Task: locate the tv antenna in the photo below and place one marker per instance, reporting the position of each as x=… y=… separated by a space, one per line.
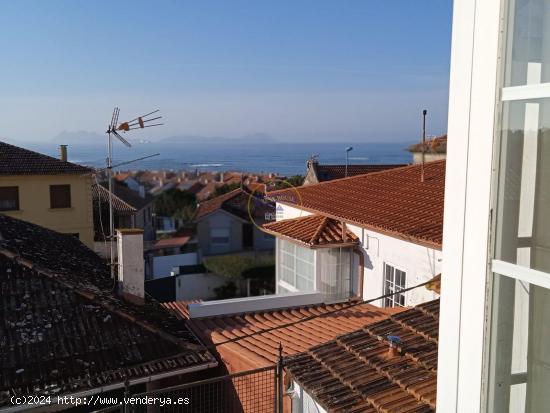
x=113 y=129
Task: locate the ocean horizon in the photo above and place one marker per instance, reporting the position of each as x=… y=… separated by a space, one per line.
x=255 y=157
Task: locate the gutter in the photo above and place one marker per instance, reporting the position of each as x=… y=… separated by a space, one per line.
x=108 y=388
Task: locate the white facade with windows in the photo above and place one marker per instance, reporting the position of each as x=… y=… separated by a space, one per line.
x=338 y=270
x=494 y=342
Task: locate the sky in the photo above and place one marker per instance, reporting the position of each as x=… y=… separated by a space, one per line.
x=302 y=70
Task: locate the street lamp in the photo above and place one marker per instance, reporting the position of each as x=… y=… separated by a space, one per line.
x=348 y=150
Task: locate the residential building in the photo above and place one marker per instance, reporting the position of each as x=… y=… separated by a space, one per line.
x=230 y=224
x=433 y=149
x=363 y=236
x=131 y=209
x=317 y=173
x=46 y=191
x=64 y=331
x=495 y=297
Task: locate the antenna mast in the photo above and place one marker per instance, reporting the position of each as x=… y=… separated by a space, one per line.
x=112 y=130
x=424 y=113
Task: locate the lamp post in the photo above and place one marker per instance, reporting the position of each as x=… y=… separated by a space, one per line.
x=348 y=150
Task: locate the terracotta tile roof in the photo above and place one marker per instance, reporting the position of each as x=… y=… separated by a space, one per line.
x=101 y=194
x=180 y=308
x=262 y=349
x=356 y=372
x=62 y=329
x=172 y=242
x=19 y=161
x=393 y=202
x=312 y=230
x=236 y=202
x=331 y=172
x=435 y=145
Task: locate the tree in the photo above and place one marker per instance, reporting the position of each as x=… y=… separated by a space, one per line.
x=174 y=202
x=291 y=182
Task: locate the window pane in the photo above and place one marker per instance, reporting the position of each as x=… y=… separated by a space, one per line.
x=523 y=221
x=528 y=44
x=60 y=196
x=9 y=198
x=519 y=367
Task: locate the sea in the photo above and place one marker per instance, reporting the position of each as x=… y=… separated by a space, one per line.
x=255 y=157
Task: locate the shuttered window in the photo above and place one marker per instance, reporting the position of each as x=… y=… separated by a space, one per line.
x=9 y=198
x=60 y=196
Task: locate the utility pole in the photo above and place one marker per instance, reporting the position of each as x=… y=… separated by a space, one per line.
x=424 y=113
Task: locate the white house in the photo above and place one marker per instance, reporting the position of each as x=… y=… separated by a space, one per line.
x=365 y=236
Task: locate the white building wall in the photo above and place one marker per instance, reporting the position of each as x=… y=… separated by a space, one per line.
x=302 y=402
x=420 y=263
x=162 y=266
x=197 y=286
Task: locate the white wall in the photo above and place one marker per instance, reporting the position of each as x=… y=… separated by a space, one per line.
x=197 y=286
x=162 y=266
x=420 y=263
x=302 y=402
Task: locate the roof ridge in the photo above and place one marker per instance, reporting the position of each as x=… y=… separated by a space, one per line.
x=319 y=230
x=102 y=188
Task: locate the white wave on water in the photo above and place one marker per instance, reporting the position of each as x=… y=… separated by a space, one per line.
x=207 y=165
x=359 y=158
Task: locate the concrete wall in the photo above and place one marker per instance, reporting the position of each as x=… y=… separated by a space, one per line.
x=34 y=204
x=302 y=402
x=162 y=266
x=263 y=241
x=420 y=263
x=197 y=286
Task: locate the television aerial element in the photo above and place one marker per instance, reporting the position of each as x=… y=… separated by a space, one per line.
x=113 y=129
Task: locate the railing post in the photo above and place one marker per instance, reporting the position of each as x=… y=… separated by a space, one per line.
x=279 y=380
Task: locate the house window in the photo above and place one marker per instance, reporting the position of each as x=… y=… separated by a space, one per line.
x=335 y=273
x=518 y=365
x=394 y=282
x=9 y=198
x=219 y=236
x=60 y=196
x=296 y=265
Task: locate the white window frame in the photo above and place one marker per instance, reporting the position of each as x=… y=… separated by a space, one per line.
x=474 y=111
x=391 y=301
x=467 y=216
x=279 y=264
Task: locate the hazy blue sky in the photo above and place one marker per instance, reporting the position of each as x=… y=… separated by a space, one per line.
x=310 y=70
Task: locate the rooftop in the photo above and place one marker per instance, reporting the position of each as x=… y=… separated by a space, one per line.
x=63 y=330
x=238 y=202
x=101 y=194
x=172 y=242
x=19 y=161
x=434 y=145
x=262 y=349
x=313 y=231
x=356 y=373
x=393 y=202
x=331 y=172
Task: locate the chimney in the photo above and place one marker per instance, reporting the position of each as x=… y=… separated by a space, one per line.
x=221 y=177
x=63 y=152
x=142 y=191
x=131 y=267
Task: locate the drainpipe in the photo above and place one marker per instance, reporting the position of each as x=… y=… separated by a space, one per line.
x=361 y=274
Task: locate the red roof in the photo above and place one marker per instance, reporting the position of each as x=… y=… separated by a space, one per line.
x=357 y=372
x=331 y=172
x=262 y=349
x=312 y=230
x=434 y=145
x=215 y=204
x=394 y=202
x=172 y=242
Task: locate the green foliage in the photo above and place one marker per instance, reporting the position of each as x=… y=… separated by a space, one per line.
x=174 y=202
x=224 y=189
x=238 y=266
x=290 y=182
x=228 y=290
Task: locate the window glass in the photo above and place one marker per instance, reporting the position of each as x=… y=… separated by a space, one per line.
x=523 y=219
x=395 y=281
x=219 y=235
x=528 y=43
x=9 y=198
x=60 y=196
x=296 y=265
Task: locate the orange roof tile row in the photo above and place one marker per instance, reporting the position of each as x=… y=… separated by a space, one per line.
x=312 y=230
x=172 y=242
x=357 y=372
x=394 y=202
x=262 y=348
